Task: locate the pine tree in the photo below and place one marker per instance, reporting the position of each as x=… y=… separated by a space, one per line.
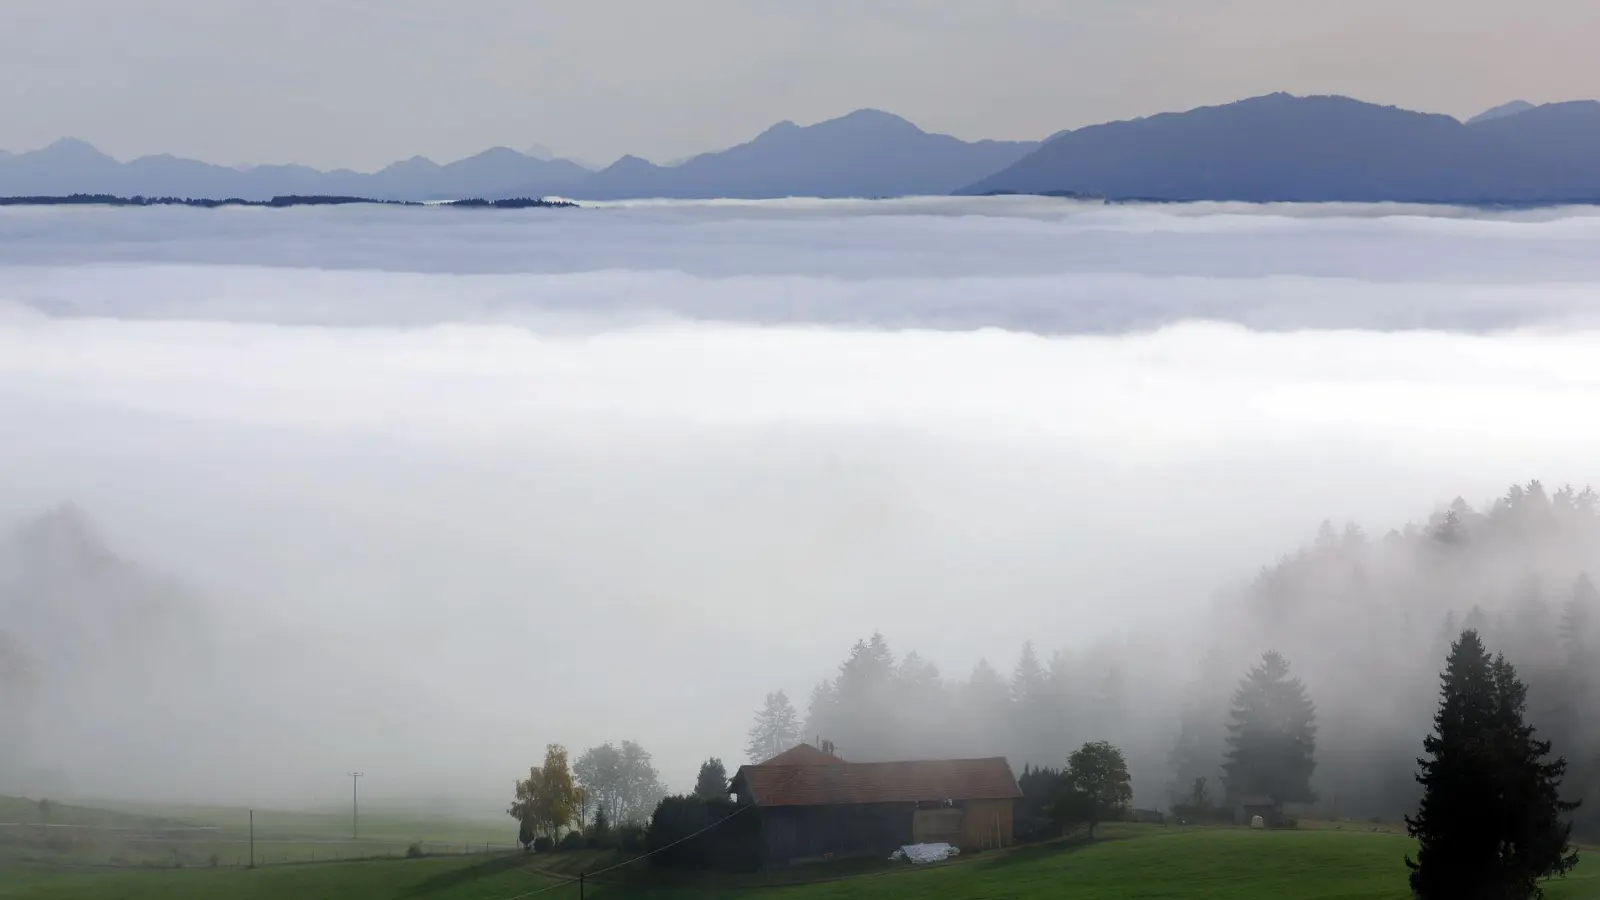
x=776 y=729
x=1489 y=824
x=1574 y=727
x=1033 y=719
x=1272 y=738
x=921 y=714
x=864 y=700
x=600 y=829
x=712 y=783
x=822 y=712
x=985 y=704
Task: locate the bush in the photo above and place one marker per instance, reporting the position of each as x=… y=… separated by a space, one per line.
x=682 y=835
x=630 y=838
x=572 y=841
x=1041 y=791
x=414 y=852
x=543 y=845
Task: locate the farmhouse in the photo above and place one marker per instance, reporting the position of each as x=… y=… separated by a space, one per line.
x=811 y=804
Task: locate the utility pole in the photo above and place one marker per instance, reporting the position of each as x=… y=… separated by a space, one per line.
x=355 y=809
x=252 y=839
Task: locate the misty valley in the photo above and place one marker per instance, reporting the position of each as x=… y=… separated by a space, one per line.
x=731 y=547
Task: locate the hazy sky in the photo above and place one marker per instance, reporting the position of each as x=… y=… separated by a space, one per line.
x=414 y=499
x=360 y=83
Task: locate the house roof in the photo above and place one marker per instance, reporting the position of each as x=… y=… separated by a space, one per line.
x=885 y=782
x=803 y=755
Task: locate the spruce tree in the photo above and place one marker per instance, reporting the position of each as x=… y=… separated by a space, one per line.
x=1490 y=822
x=712 y=783
x=776 y=729
x=1032 y=708
x=1272 y=738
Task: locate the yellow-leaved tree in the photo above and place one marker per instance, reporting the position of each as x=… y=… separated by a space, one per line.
x=555 y=797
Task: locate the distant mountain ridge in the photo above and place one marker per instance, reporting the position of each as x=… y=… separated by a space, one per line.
x=1501 y=111
x=1281 y=147
x=867 y=153
x=1276 y=147
x=72 y=166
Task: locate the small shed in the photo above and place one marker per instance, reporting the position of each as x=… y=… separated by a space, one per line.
x=859 y=809
x=1248 y=806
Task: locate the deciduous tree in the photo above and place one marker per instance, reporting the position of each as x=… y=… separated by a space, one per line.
x=1096 y=786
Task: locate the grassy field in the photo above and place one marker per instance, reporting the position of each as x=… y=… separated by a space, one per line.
x=1132 y=864
x=190 y=837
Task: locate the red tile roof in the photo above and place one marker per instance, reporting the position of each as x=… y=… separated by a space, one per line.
x=803 y=755
x=886 y=782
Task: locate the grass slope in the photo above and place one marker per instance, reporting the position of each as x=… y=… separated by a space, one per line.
x=1142 y=864
x=192 y=835
x=21 y=810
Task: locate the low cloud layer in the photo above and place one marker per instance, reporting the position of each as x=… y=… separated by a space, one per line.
x=453 y=490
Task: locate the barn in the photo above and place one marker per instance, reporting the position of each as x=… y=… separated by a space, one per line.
x=812 y=805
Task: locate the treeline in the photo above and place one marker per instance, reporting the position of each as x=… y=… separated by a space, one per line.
x=1364 y=620
x=612 y=798
x=276 y=202
x=602 y=800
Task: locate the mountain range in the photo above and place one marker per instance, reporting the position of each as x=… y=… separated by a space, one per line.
x=1277 y=147
x=866 y=153
x=1285 y=148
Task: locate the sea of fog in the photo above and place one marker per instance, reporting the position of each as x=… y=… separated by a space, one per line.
x=455 y=484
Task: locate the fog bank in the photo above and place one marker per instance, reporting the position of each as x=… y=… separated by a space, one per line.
x=446 y=491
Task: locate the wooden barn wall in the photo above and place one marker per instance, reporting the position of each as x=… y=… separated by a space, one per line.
x=805 y=832
x=987 y=825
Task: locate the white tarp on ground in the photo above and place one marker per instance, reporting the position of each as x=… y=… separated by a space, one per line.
x=925 y=853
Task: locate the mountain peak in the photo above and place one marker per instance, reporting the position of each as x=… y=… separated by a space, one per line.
x=416 y=165
x=631 y=163
x=787 y=126
x=874 y=119
x=499 y=153
x=1502 y=111
x=70 y=148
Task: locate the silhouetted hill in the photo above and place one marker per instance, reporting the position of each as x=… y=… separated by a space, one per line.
x=867 y=153
x=864 y=154
x=1273 y=148
x=73 y=167
x=285 y=202
x=1285 y=148
x=1501 y=111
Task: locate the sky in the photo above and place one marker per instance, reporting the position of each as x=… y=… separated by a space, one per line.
x=450 y=488
x=361 y=83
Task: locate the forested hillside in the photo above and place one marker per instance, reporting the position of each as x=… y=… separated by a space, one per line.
x=1365 y=622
